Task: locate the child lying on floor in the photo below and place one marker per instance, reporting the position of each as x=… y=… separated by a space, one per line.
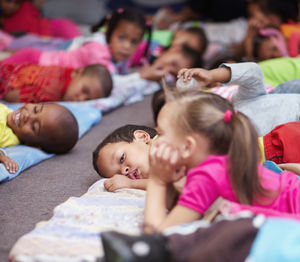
x=51 y=127
x=251 y=97
x=30 y=83
x=123 y=155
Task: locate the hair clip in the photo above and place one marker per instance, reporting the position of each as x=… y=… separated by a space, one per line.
x=268 y=32
x=227 y=116
x=120 y=10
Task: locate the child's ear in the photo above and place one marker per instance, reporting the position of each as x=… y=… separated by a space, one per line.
x=76 y=72
x=141 y=135
x=189 y=146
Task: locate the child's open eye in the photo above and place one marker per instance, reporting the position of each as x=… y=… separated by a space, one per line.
x=122 y=37
x=122 y=158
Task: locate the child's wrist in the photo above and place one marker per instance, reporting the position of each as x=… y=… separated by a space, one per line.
x=157 y=182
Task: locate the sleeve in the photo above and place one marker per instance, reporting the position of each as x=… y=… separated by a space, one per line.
x=199 y=192
x=250 y=79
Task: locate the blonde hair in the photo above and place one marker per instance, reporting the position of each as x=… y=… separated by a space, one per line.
x=203 y=112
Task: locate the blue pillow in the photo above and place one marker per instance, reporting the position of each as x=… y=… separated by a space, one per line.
x=27 y=156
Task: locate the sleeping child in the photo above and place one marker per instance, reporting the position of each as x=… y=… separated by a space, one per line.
x=51 y=127
x=30 y=83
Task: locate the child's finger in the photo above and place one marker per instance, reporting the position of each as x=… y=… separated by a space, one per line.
x=160 y=150
x=180 y=173
x=174 y=157
x=166 y=153
x=181 y=72
x=14 y=166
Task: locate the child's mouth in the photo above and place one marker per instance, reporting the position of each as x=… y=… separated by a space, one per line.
x=134 y=174
x=16 y=118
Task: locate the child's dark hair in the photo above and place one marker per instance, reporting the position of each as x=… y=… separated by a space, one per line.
x=199 y=32
x=64 y=135
x=157 y=102
x=223 y=58
x=286 y=10
x=201 y=112
x=103 y=75
x=192 y=54
x=131 y=15
x=121 y=134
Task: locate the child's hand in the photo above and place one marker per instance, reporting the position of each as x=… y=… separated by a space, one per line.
x=153 y=73
x=11 y=165
x=203 y=77
x=116 y=182
x=165 y=164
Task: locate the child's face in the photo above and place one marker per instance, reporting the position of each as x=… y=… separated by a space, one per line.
x=192 y=148
x=129 y=159
x=172 y=61
x=32 y=122
x=182 y=37
x=10 y=7
x=124 y=40
x=267 y=50
x=83 y=87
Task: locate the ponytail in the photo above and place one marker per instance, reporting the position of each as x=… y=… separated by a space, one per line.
x=244 y=156
x=148 y=31
x=102 y=22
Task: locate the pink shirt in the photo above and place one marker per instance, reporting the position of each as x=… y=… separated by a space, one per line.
x=210 y=180
x=87 y=54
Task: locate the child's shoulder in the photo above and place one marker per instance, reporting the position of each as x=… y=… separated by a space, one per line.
x=212 y=164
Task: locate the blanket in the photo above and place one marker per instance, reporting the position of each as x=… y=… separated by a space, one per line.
x=27 y=156
x=72 y=234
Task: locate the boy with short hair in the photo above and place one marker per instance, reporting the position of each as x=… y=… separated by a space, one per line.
x=123 y=157
x=51 y=127
x=30 y=83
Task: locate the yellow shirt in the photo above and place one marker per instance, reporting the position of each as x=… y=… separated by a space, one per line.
x=7 y=136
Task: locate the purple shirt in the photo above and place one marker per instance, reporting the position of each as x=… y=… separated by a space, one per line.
x=210 y=180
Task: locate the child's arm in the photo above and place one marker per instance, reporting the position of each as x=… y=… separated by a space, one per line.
x=164 y=163
x=206 y=77
x=12 y=96
x=292 y=167
x=248 y=76
x=120 y=181
x=10 y=164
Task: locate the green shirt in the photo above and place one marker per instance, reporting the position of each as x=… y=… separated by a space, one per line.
x=279 y=70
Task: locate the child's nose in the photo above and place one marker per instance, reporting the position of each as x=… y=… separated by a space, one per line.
x=126 y=171
x=127 y=44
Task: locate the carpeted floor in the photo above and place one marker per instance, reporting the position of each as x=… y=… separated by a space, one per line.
x=31 y=197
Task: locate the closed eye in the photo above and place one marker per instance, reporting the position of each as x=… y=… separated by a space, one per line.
x=36 y=127
x=85 y=90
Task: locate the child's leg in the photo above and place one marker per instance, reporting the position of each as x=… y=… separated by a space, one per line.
x=26 y=55
x=292 y=86
x=64 y=28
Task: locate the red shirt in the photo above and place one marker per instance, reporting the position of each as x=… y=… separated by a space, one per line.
x=36 y=83
x=27 y=19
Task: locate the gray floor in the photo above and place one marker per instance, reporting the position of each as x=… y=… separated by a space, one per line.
x=31 y=197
